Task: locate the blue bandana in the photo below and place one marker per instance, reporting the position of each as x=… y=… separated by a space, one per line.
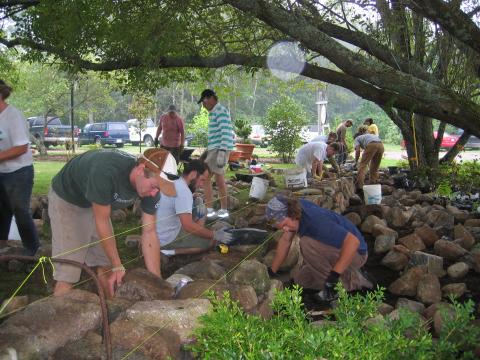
x=276 y=209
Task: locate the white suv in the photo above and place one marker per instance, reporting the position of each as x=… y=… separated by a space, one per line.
x=148 y=133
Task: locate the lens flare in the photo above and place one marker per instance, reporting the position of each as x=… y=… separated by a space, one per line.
x=286 y=60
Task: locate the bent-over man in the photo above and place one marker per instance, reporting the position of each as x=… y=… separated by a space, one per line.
x=83 y=195
x=332 y=247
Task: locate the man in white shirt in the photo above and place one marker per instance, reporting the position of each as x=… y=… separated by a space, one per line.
x=312 y=155
x=179 y=229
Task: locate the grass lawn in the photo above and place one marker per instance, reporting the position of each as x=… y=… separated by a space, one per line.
x=44 y=172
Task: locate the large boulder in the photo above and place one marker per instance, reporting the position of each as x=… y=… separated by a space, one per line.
x=291 y=259
x=467 y=240
x=395 y=260
x=141 y=285
x=264 y=309
x=448 y=249
x=407 y=284
x=370 y=221
x=427 y=234
x=179 y=316
x=49 y=324
x=413 y=306
x=455 y=289
x=398 y=218
x=205 y=269
x=457 y=270
x=428 y=290
x=384 y=243
x=440 y=219
x=251 y=272
x=380 y=229
x=412 y=242
x=151 y=342
x=433 y=263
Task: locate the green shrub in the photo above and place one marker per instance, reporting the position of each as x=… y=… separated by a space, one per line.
x=243 y=129
x=283 y=122
x=198 y=127
x=228 y=333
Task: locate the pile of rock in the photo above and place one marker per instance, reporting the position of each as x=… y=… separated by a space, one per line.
x=427 y=243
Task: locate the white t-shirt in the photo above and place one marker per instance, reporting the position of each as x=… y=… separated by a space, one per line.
x=309 y=152
x=14 y=132
x=168 y=208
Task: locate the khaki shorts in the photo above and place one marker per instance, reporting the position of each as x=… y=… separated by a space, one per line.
x=73 y=230
x=211 y=161
x=187 y=240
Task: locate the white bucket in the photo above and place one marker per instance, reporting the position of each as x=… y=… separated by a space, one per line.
x=372 y=194
x=14 y=234
x=295 y=178
x=259 y=187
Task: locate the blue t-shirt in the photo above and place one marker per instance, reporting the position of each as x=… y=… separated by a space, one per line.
x=327 y=226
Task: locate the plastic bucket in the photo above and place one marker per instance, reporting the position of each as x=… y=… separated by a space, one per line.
x=259 y=187
x=295 y=178
x=372 y=194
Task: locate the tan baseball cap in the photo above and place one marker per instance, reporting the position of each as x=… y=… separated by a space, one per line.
x=161 y=162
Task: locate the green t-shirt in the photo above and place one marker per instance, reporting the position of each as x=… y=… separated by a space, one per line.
x=101 y=177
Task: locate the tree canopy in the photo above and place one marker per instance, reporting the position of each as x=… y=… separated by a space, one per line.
x=413 y=58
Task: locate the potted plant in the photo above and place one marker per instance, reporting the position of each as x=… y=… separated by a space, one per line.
x=243 y=129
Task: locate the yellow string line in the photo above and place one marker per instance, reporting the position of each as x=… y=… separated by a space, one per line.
x=43 y=259
x=202 y=294
x=4 y=306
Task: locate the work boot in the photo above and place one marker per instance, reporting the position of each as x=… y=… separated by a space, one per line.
x=211 y=214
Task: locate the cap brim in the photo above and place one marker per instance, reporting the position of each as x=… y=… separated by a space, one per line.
x=166 y=187
x=199 y=101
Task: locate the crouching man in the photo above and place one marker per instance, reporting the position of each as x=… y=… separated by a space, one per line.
x=332 y=247
x=178 y=231
x=81 y=199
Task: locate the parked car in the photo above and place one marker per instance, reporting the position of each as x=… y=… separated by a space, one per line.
x=258 y=136
x=54 y=132
x=148 y=133
x=107 y=133
x=448 y=140
x=473 y=142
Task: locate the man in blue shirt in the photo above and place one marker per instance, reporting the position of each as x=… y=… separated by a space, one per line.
x=333 y=248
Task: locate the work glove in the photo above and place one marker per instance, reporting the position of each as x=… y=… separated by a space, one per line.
x=329 y=293
x=156 y=142
x=221 y=158
x=223 y=235
x=317 y=177
x=199 y=210
x=270 y=272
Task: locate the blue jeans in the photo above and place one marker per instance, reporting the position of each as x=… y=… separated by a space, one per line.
x=15 y=192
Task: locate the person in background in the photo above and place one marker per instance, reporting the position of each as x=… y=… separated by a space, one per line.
x=173 y=138
x=181 y=219
x=371 y=127
x=81 y=199
x=312 y=155
x=16 y=174
x=328 y=139
x=372 y=155
x=332 y=248
x=220 y=143
x=341 y=139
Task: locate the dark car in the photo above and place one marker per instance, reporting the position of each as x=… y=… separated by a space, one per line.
x=107 y=133
x=473 y=142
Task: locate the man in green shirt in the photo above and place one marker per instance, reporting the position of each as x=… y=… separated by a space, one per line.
x=83 y=195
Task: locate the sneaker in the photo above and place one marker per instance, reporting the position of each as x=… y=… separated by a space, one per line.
x=211 y=213
x=223 y=213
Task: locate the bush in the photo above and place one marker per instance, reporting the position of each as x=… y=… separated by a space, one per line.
x=284 y=122
x=243 y=129
x=228 y=333
x=198 y=127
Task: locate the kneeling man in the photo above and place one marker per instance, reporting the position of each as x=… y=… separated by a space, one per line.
x=177 y=229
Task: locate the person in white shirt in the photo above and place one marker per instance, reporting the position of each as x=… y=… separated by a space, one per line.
x=16 y=174
x=312 y=155
x=180 y=219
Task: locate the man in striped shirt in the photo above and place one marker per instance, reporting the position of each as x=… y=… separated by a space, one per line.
x=220 y=143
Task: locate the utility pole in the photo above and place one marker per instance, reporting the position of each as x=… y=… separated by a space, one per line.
x=322 y=102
